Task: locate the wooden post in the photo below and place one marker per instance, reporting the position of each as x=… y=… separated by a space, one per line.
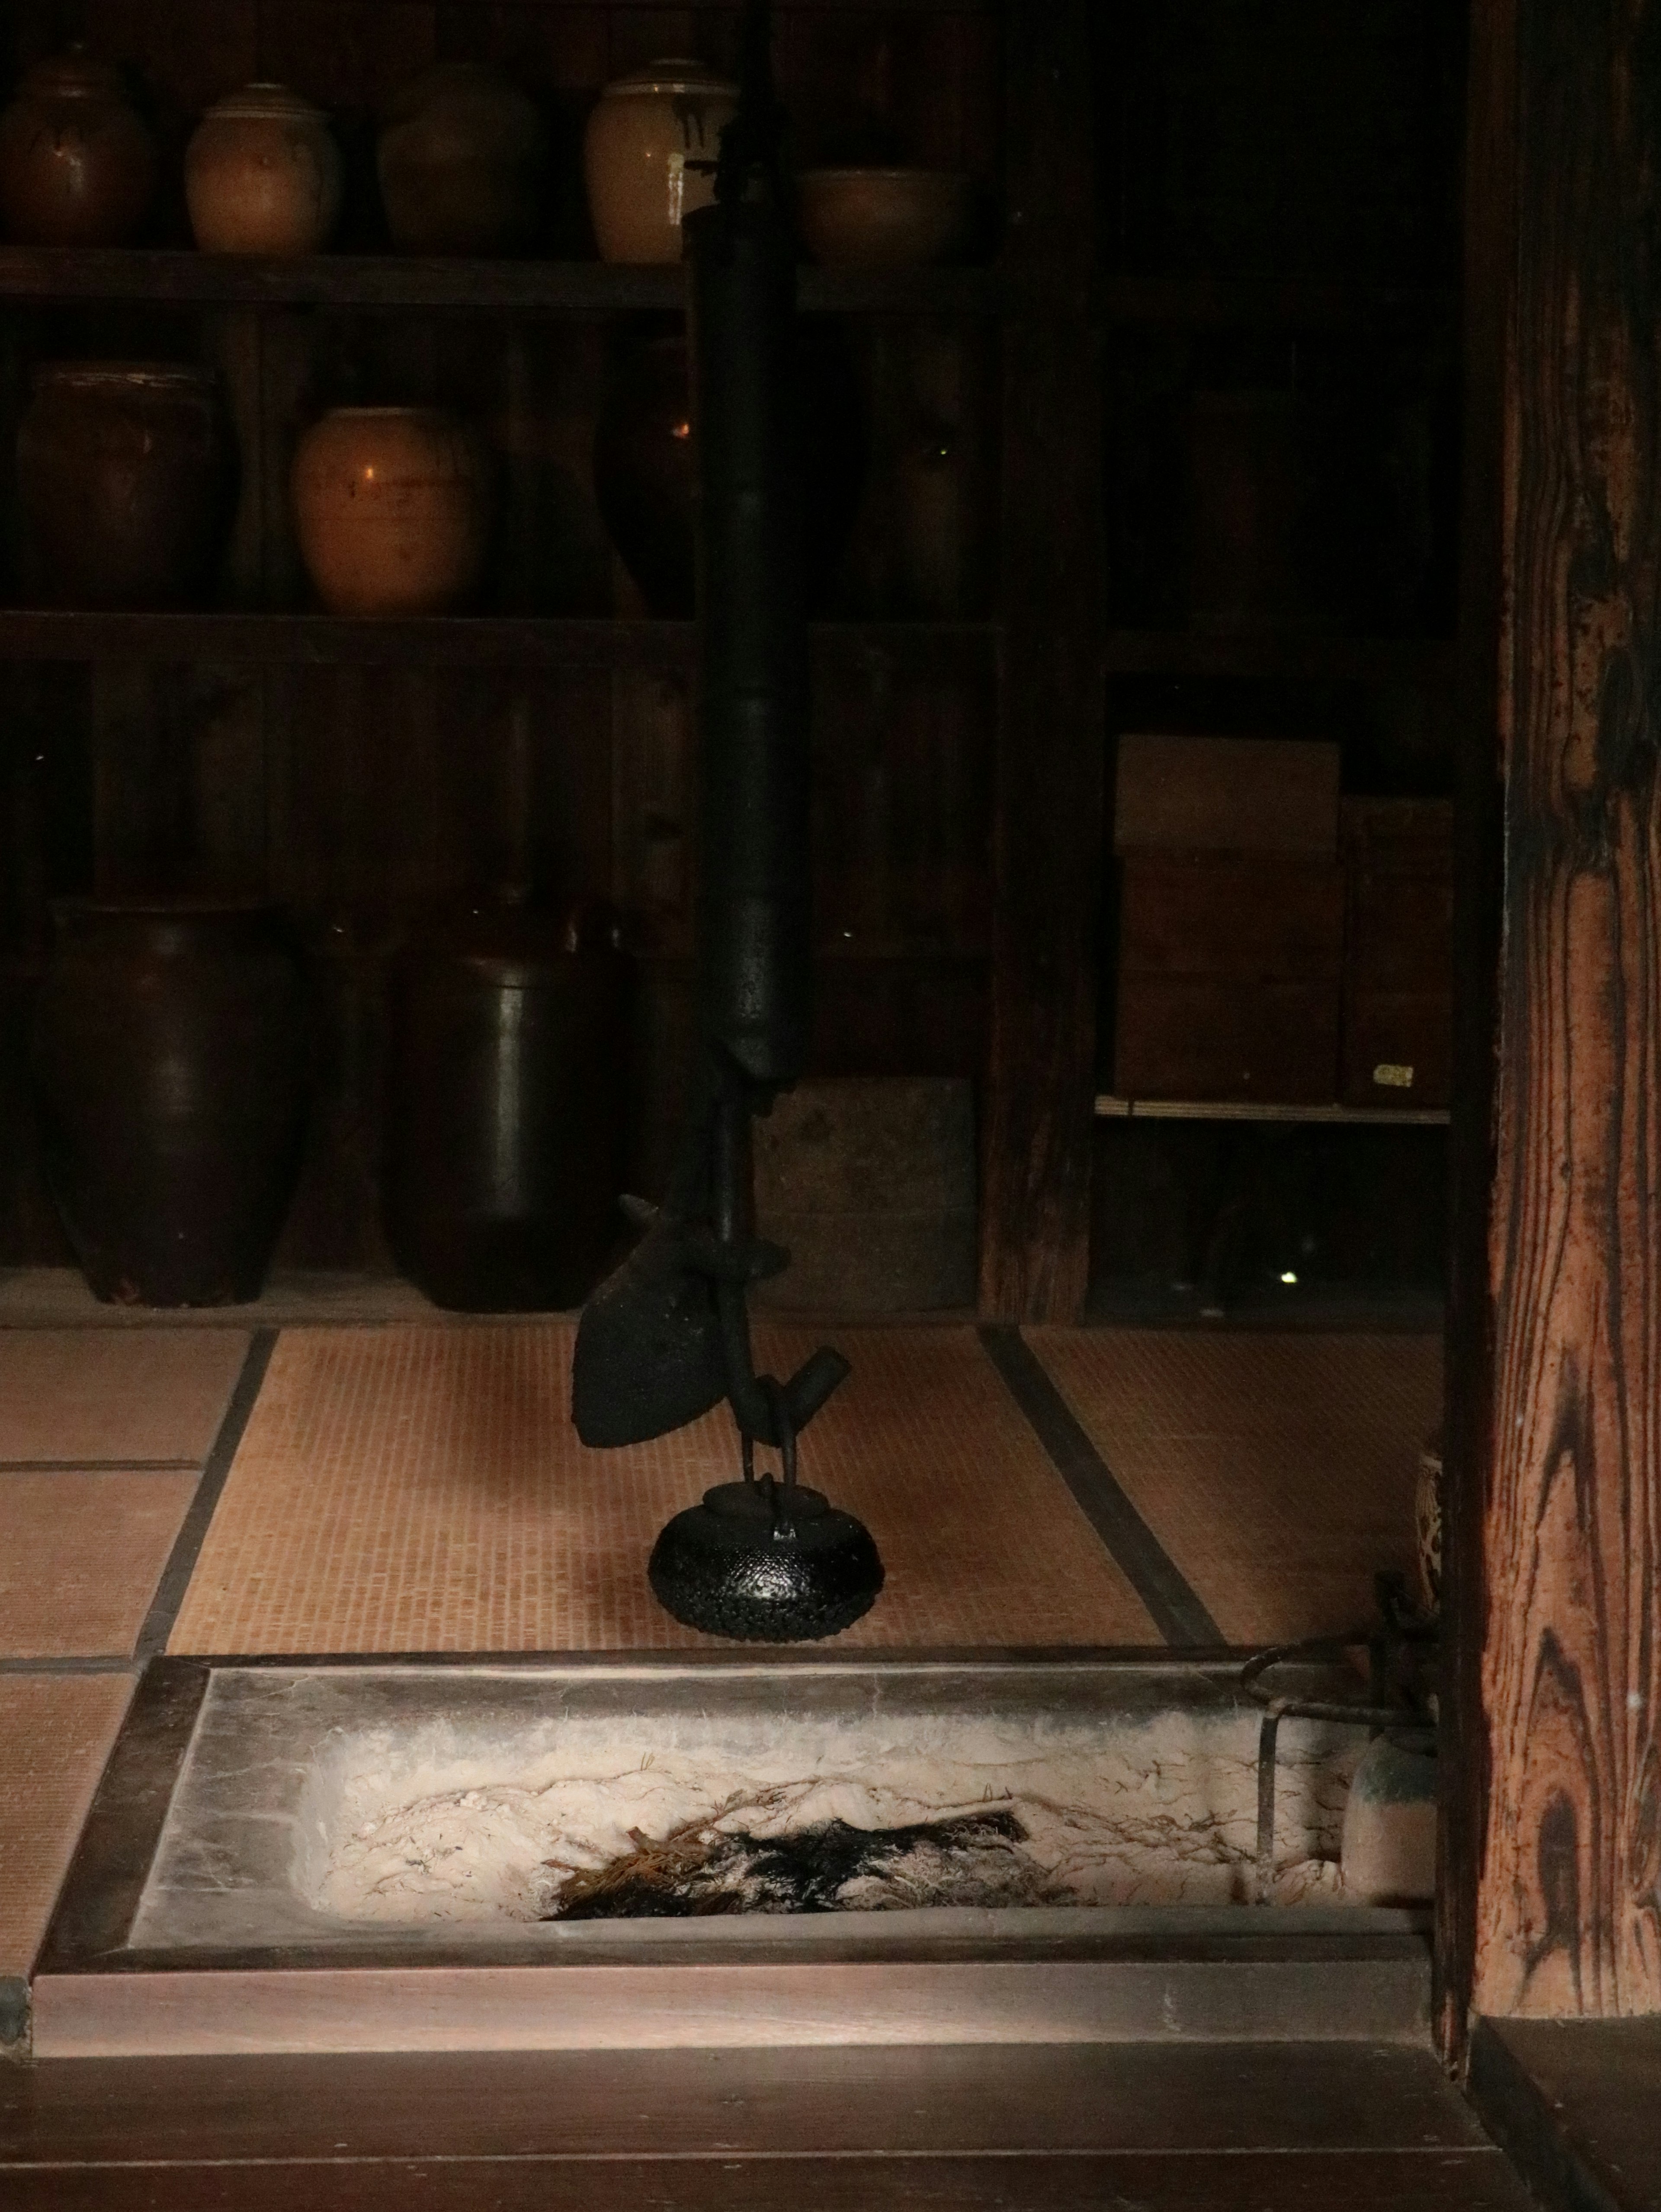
x=1552 y=1842
x=1040 y=1092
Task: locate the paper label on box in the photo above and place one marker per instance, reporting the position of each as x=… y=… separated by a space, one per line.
x=1390 y=1075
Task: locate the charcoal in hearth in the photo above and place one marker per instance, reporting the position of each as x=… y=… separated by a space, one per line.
x=700 y=1870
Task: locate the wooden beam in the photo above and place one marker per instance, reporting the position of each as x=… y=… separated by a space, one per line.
x=1566 y=1589
x=1036 y=1145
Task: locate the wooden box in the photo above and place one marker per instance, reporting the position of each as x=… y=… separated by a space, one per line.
x=1225 y=794
x=1398 y=952
x=1228 y=977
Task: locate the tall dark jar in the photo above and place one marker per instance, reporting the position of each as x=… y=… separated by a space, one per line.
x=170 y=1066
x=508 y=1109
x=645 y=475
x=123 y=479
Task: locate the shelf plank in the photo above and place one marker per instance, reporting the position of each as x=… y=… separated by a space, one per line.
x=1110 y=1108
x=454 y=641
x=391 y=282
x=1286 y=657
x=1278 y=304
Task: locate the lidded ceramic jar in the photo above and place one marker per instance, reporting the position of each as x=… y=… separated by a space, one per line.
x=122 y=475
x=262 y=174
x=77 y=164
x=463 y=163
x=391 y=506
x=649 y=156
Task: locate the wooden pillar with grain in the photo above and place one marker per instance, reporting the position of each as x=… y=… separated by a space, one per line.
x=1553 y=1835
x=1047 y=824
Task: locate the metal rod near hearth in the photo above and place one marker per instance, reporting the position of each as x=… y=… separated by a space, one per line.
x=668 y=1336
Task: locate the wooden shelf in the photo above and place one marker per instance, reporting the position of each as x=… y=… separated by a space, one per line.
x=450 y=641
x=389 y=281
x=1274 y=304
x=1109 y=1108
x=1286 y=657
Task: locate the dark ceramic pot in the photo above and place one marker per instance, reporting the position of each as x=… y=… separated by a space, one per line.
x=645 y=475
x=77 y=166
x=463 y=163
x=170 y=1075
x=508 y=1120
x=122 y=481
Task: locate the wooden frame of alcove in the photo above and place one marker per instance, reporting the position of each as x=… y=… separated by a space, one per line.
x=1552 y=1814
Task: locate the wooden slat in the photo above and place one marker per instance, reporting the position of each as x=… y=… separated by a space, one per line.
x=1568 y=1917
x=900 y=2101
x=461 y=641
x=391 y=282
x=1371 y=2181
x=1047 y=838
x=1468 y=1456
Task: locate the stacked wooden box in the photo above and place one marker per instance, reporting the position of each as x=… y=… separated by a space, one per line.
x=1275 y=943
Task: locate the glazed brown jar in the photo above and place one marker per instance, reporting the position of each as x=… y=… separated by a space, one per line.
x=77 y=164
x=391 y=506
x=462 y=163
x=122 y=475
x=262 y=174
x=170 y=1069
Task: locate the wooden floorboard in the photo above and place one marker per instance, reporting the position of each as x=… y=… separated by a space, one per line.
x=1578 y=2104
x=1274 y=2181
x=921 y=2099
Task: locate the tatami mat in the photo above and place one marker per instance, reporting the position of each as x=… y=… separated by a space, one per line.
x=80 y=1558
x=414 y=1489
x=1278 y=1472
x=118 y=1395
x=55 y=1733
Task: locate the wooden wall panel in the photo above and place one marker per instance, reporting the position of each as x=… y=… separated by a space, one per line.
x=1037 y=1139
x=1568 y=1920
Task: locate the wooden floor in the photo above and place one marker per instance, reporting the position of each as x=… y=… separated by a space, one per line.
x=1128 y=2127
x=1578 y=2104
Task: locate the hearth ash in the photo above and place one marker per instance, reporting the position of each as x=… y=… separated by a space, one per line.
x=701 y=1868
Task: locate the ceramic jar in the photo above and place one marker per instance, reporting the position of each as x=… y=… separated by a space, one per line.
x=122 y=473
x=650 y=154
x=170 y=1069
x=644 y=476
x=391 y=506
x=77 y=164
x=883 y=218
x=508 y=1109
x=262 y=174
x=463 y=162
x=645 y=470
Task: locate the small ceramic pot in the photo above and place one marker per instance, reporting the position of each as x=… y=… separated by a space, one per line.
x=122 y=480
x=882 y=218
x=262 y=174
x=77 y=164
x=391 y=505
x=170 y=1069
x=650 y=154
x=462 y=162
x=1389 y=1849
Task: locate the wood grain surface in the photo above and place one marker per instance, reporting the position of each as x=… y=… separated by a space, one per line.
x=1568 y=1919
x=1035 y=1186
